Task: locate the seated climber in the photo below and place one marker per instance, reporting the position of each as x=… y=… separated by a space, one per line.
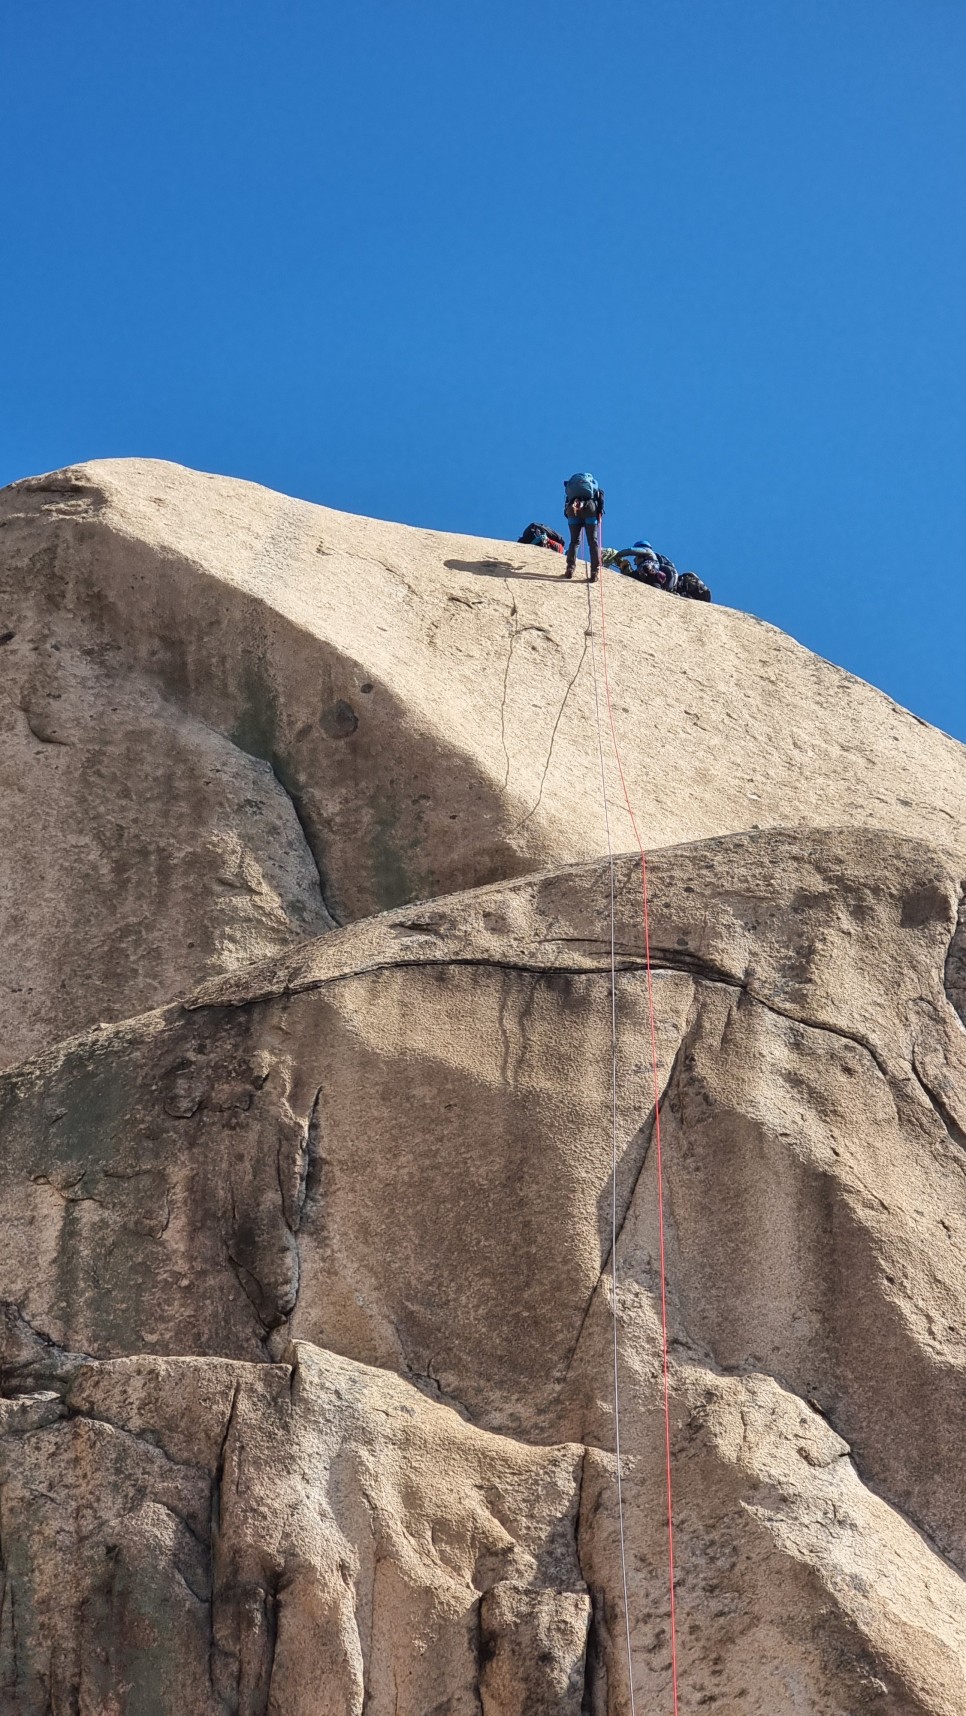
x=644 y=563
x=583 y=510
x=541 y=536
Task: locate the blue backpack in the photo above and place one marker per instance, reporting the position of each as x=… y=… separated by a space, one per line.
x=581 y=495
x=581 y=486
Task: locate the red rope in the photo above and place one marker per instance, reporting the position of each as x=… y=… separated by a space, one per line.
x=657 y=1142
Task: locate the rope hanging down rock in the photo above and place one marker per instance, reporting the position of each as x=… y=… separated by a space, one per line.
x=646 y=926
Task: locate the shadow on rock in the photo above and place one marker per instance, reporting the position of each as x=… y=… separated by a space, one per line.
x=501 y=569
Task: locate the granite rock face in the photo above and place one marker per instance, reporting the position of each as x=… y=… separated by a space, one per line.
x=232 y=718
x=308 y=1295
x=306 y=1536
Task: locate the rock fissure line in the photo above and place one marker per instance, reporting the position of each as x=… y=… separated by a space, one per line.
x=954 y=967
x=553 y=736
x=515 y=633
x=294 y=800
x=942 y=1112
x=646 y=1127
x=53 y=1364
x=71 y=1414
x=660 y=965
x=218 y=1477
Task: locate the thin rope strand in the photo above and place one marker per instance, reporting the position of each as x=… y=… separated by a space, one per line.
x=658 y=1151
x=613 y=1093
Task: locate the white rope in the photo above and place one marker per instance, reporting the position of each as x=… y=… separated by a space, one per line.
x=613 y=1096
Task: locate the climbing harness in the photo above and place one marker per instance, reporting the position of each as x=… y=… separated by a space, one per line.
x=645 y=914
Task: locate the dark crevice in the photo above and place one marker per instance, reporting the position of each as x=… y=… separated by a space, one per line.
x=940 y=1109
x=483 y=1648
x=271 y=1605
x=302 y=1179
x=269 y=1310
x=218 y=1479
x=295 y=800
x=648 y=1130
x=291 y=1358
x=289 y=1205
x=593 y=1700
x=954 y=974
x=605 y=1265
x=224 y=1664
x=31 y=1357
x=312 y=1180
x=308 y=986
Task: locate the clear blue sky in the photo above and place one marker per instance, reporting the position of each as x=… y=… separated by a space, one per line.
x=422 y=259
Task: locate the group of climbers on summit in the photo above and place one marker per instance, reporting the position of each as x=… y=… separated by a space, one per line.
x=583 y=510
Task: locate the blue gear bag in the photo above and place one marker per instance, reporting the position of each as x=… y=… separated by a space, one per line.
x=581 y=486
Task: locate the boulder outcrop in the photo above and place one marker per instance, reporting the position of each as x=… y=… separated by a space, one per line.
x=310 y=1305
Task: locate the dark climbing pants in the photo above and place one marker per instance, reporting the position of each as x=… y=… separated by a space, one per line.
x=591 y=529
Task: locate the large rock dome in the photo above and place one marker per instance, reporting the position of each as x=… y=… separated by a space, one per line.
x=310 y=1300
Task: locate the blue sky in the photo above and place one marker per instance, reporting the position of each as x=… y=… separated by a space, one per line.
x=422 y=260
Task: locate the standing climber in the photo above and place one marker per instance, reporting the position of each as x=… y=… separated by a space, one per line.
x=583 y=510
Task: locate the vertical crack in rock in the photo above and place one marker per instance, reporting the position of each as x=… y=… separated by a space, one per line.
x=299 y=1179
x=314 y=1161
x=294 y=797
x=645 y=1133
x=940 y=1108
x=482 y=1653
x=593 y=1700
x=553 y=736
x=218 y=1478
x=506 y=680
x=954 y=975
x=222 y=1655
x=271 y=1596
x=8 y=1621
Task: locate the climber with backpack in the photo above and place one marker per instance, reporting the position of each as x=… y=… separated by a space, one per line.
x=648 y=566
x=583 y=510
x=644 y=563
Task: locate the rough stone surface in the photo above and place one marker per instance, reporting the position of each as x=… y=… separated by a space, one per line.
x=303 y=1537
x=307 y=1295
x=393 y=1143
x=216 y=696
